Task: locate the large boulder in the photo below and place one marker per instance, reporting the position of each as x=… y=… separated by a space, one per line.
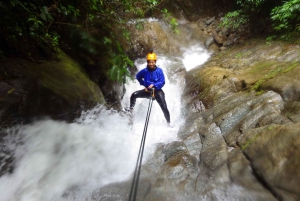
x=56 y=89
x=152 y=36
x=273 y=151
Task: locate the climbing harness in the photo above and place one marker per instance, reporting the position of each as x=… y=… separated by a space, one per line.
x=136 y=176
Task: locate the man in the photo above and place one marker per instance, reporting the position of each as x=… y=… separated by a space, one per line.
x=151 y=77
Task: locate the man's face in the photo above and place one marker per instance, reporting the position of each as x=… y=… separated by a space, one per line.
x=151 y=64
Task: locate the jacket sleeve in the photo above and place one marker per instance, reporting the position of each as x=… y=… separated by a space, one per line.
x=161 y=80
x=140 y=77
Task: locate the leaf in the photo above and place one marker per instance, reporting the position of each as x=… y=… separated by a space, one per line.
x=35 y=25
x=11 y=90
x=43 y=16
x=107 y=40
x=50 y=17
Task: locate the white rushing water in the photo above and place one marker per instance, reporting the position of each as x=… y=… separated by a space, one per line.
x=99 y=148
x=195 y=56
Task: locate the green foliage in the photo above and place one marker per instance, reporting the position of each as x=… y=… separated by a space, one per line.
x=54 y=39
x=119 y=62
x=234 y=19
x=270 y=38
x=171 y=20
x=286 y=21
x=35 y=26
x=287 y=16
x=79 y=22
x=152 y=3
x=257 y=14
x=252 y=5
x=119 y=67
x=45 y=15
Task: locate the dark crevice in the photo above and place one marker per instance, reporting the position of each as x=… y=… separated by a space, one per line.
x=262 y=181
x=259 y=178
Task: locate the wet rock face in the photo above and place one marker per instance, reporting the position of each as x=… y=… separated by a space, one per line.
x=176 y=169
x=249 y=129
x=153 y=36
x=59 y=90
x=158 y=36
x=120 y=191
x=24 y=99
x=273 y=151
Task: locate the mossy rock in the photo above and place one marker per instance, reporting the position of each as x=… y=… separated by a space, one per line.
x=272 y=151
x=59 y=89
x=65 y=78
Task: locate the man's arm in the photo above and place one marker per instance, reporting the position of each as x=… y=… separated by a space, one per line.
x=140 y=77
x=161 y=80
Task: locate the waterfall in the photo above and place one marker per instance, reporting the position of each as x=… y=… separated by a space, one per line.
x=55 y=160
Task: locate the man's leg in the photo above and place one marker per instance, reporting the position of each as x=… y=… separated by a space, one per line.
x=160 y=97
x=138 y=94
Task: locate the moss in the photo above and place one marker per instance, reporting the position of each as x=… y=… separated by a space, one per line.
x=269 y=70
x=262 y=67
x=290 y=67
x=249 y=142
x=257 y=85
x=238 y=55
x=66 y=78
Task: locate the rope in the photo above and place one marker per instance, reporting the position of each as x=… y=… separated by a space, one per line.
x=135 y=181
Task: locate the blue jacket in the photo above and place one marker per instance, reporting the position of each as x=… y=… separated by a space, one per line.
x=146 y=77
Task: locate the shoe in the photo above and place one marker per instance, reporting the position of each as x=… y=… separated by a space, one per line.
x=127 y=110
x=170 y=126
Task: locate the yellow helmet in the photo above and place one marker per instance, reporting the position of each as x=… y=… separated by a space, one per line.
x=151 y=56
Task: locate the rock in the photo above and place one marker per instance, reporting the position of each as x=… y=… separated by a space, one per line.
x=201 y=24
x=174 y=148
x=287 y=84
x=178 y=171
x=247 y=138
x=209 y=41
x=214 y=48
x=271 y=150
x=292 y=110
x=209 y=21
x=225 y=31
x=242 y=175
x=57 y=89
x=151 y=37
x=121 y=191
x=217 y=38
x=114 y=92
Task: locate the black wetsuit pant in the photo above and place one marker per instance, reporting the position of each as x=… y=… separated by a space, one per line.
x=159 y=96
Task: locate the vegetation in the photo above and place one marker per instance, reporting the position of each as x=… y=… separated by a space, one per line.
x=234 y=19
x=96 y=29
x=282 y=16
x=287 y=19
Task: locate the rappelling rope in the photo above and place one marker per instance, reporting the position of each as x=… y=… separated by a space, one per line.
x=135 y=181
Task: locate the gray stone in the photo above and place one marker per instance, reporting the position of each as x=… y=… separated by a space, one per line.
x=209 y=21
